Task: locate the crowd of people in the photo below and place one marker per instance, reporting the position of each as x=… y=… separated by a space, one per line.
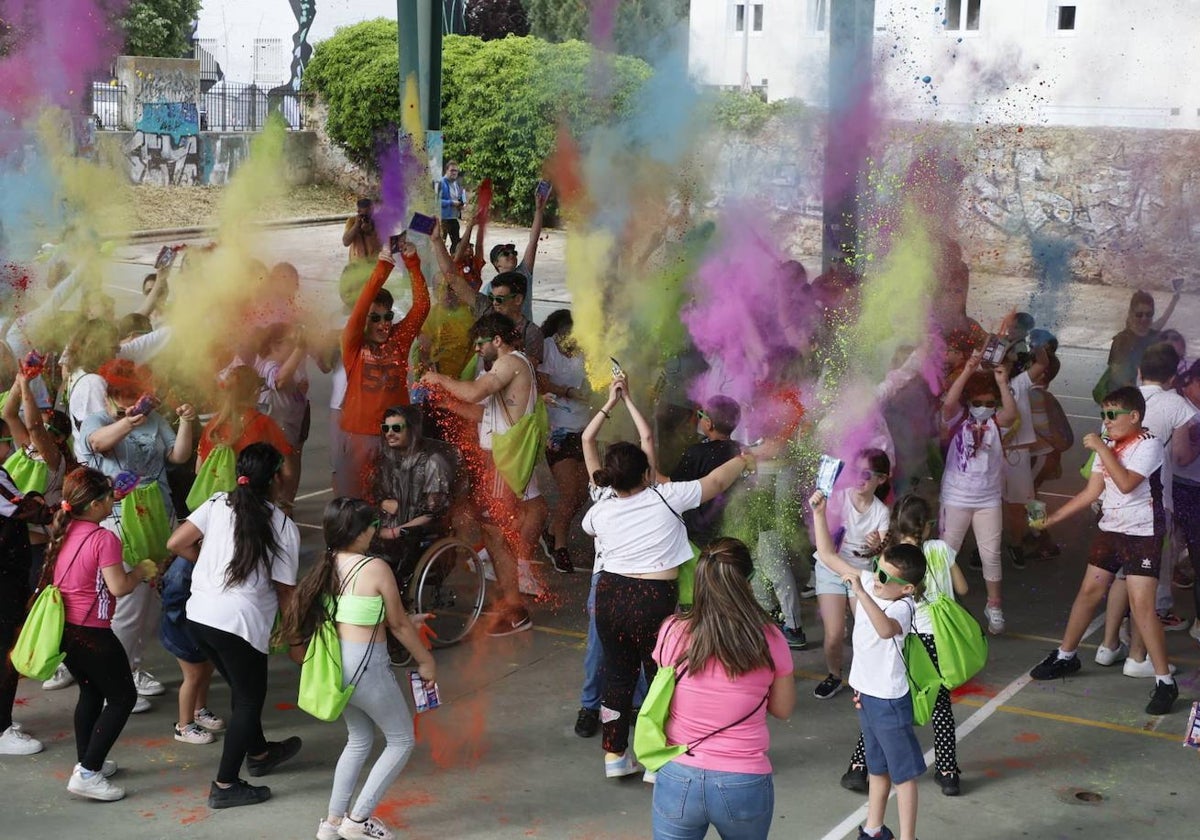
x=125 y=474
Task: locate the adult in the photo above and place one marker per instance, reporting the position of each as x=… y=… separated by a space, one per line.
x=84 y=561
x=246 y=553
x=507 y=297
x=561 y=374
x=504 y=256
x=121 y=442
x=715 y=423
x=642 y=540
x=1186 y=491
x=84 y=389
x=360 y=235
x=360 y=594
x=734 y=668
x=511 y=506
x=451 y=198
x=1141 y=330
x=375 y=355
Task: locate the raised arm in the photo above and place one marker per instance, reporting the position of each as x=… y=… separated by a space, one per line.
x=951 y=402
x=352 y=333
x=722 y=478
x=535 y=233
x=826 y=550
x=12 y=412
x=411 y=323
x=42 y=440
x=644 y=429
x=591 y=452
x=1008 y=414
x=1166 y=316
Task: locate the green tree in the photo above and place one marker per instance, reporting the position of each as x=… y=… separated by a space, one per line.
x=491 y=19
x=159 y=27
x=641 y=25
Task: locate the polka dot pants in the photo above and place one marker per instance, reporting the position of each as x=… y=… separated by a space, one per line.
x=945 y=744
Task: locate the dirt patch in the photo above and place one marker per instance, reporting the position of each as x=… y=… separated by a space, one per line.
x=173 y=207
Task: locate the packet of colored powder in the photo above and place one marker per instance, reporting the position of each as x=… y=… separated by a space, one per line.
x=827 y=474
x=1192 y=737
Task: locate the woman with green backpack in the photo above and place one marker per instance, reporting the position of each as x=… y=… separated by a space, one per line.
x=358 y=595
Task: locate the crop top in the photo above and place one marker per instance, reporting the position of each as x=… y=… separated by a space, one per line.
x=363 y=610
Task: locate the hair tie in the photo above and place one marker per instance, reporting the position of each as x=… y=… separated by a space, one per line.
x=65 y=505
x=243 y=480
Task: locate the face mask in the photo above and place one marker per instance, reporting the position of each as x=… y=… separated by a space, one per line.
x=981 y=413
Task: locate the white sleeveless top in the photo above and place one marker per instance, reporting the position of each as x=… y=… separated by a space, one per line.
x=495 y=419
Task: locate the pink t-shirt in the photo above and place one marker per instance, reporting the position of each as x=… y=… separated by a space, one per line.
x=706 y=701
x=77 y=574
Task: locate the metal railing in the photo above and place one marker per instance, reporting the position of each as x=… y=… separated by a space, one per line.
x=226 y=106
x=107 y=101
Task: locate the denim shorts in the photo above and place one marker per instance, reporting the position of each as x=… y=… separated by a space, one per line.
x=891 y=743
x=828 y=582
x=175 y=588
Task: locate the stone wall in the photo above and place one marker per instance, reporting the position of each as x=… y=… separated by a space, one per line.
x=1119 y=206
x=331 y=166
x=209 y=158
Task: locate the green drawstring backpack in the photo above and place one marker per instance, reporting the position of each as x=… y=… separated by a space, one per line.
x=517 y=450
x=38 y=651
x=218 y=474
x=924 y=680
x=29 y=474
x=962 y=647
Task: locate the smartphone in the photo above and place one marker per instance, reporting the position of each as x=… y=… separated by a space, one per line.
x=395 y=241
x=994 y=351
x=543 y=190
x=616 y=368
x=166 y=256
x=421 y=223
x=144 y=405
x=124 y=484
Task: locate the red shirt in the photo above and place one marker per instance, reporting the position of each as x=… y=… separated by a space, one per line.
x=256 y=428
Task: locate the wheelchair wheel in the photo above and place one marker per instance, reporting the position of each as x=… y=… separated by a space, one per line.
x=449 y=583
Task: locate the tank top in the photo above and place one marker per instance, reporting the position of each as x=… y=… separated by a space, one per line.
x=363 y=610
x=495 y=417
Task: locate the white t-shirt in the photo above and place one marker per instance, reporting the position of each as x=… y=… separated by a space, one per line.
x=876 y=518
x=878 y=666
x=643 y=533
x=1024 y=433
x=1191 y=472
x=597 y=494
x=1166 y=413
x=974 y=475
x=939 y=558
x=566 y=372
x=1131 y=513
x=338 y=382
x=247 y=609
x=88 y=395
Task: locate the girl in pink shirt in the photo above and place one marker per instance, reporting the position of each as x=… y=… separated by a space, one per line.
x=733 y=667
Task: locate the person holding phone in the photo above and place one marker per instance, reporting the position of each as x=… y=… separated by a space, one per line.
x=504 y=256
x=359 y=234
x=451 y=196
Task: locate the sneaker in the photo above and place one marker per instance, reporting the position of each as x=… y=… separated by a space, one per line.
x=511 y=621
x=650 y=777
x=373 y=828
x=546 y=541
x=1194 y=632
x=587 y=723
x=208 y=720
x=140 y=705
x=1162 y=698
x=193 y=734
x=16 y=742
x=527 y=583
x=884 y=834
x=948 y=782
x=327 y=830
x=94 y=786
x=1172 y=622
x=1054 y=667
x=828 y=687
x=1140 y=670
x=146 y=685
x=617 y=768
x=995 y=619
x=561 y=559
x=107 y=770
x=1107 y=656
x=808 y=593
x=239 y=793
x=795 y=638
x=855 y=779
x=61 y=679
x=277 y=753
x=1016 y=556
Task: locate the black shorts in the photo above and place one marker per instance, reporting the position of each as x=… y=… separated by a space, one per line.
x=1126 y=553
x=564 y=446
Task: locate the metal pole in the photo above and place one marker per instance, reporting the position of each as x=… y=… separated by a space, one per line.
x=851 y=35
x=433 y=106
x=745 y=85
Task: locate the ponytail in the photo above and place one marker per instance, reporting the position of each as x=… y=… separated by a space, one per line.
x=254 y=540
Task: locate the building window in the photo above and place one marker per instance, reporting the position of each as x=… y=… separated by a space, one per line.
x=818 y=16
x=739 y=18
x=758 y=17
x=268 y=61
x=962 y=15
x=1066 y=18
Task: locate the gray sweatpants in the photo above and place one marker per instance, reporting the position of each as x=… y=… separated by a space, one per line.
x=377 y=701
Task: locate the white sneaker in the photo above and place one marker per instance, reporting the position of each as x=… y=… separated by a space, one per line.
x=140 y=705
x=626 y=765
x=146 y=685
x=193 y=734
x=61 y=679
x=1194 y=630
x=995 y=620
x=107 y=770
x=95 y=787
x=208 y=720
x=1107 y=656
x=327 y=830
x=15 y=742
x=1143 y=669
x=650 y=777
x=372 y=829
x=527 y=584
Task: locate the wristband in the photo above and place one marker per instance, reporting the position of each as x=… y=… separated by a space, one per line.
x=606 y=414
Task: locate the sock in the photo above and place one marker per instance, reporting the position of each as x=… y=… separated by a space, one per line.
x=85 y=773
x=1166 y=679
x=873 y=832
x=1065 y=654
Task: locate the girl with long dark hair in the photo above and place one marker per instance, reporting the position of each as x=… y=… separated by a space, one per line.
x=359 y=593
x=84 y=561
x=734 y=667
x=246 y=553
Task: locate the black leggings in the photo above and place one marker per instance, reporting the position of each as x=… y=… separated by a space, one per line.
x=245 y=669
x=100 y=666
x=629 y=613
x=1187 y=515
x=9 y=627
x=945 y=742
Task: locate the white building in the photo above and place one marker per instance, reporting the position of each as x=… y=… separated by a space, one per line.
x=1054 y=62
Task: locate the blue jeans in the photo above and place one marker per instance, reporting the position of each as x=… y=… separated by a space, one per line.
x=687 y=800
x=593 y=662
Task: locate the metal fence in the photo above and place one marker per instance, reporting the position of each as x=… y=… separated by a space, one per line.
x=226 y=106
x=107 y=101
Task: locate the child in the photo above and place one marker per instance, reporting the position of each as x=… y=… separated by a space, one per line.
x=912 y=523
x=1125 y=459
x=883 y=616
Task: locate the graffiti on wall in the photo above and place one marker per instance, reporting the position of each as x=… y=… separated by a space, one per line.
x=165 y=148
x=174 y=85
x=221 y=155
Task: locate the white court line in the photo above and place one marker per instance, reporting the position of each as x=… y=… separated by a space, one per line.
x=307 y=525
x=1055 y=495
x=313 y=494
x=966 y=728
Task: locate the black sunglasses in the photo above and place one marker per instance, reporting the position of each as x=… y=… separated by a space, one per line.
x=375 y=317
x=395 y=428
x=507 y=251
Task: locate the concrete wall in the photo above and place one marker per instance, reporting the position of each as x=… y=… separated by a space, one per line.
x=206 y=158
x=1119 y=206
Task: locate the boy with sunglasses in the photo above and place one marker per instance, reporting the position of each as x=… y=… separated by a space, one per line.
x=504 y=256
x=883 y=616
x=1128 y=542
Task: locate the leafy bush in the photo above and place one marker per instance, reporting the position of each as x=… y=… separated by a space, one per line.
x=502 y=100
x=747 y=113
